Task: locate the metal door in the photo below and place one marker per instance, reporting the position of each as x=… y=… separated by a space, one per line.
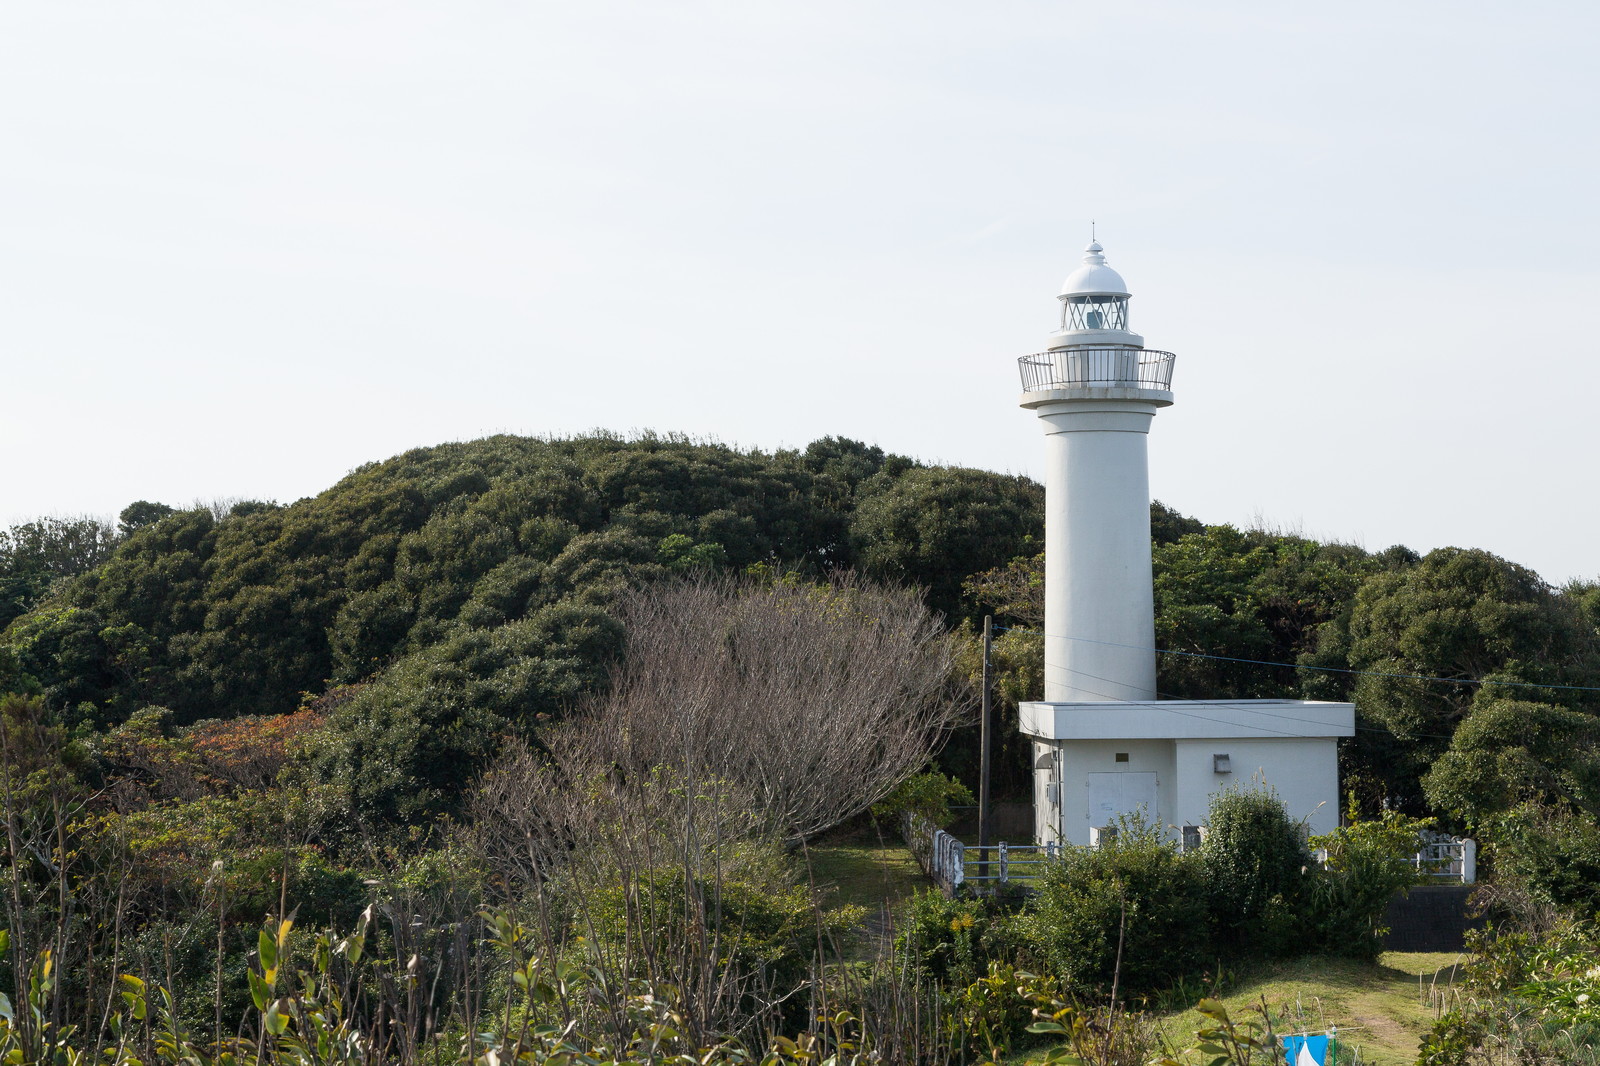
x=1112 y=795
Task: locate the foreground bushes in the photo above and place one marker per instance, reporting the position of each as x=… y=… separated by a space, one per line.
x=336 y=1003
x=1134 y=907
x=1254 y=868
x=956 y=941
x=1534 y=1001
x=1139 y=916
x=1341 y=907
x=643 y=912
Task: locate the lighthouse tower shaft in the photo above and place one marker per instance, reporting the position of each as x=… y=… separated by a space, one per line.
x=1095 y=391
x=1099 y=608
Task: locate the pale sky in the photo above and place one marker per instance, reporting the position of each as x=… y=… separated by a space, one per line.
x=245 y=247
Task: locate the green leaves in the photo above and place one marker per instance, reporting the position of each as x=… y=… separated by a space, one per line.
x=267 y=952
x=270 y=943
x=350 y=947
x=936 y=526
x=1233 y=1043
x=1138 y=889
x=132 y=994
x=260 y=991
x=1253 y=861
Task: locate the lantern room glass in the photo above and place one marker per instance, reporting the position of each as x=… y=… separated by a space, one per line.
x=1094 y=312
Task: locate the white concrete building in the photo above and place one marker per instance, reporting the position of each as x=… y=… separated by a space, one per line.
x=1103 y=744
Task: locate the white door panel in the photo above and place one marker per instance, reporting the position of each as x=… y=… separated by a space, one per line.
x=1115 y=794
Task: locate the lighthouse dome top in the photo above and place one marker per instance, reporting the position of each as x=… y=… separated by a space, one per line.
x=1094 y=277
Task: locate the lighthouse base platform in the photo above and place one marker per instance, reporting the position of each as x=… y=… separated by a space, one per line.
x=1162 y=762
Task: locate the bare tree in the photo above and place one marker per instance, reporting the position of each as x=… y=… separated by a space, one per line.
x=817 y=699
x=797 y=704
x=743 y=711
x=536 y=814
x=638 y=865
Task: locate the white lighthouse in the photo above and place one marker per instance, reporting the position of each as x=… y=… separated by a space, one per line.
x=1105 y=745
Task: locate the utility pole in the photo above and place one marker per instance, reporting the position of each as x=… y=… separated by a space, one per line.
x=984 y=747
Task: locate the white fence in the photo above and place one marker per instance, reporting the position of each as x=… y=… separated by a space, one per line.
x=1441 y=858
x=1453 y=860
x=951 y=863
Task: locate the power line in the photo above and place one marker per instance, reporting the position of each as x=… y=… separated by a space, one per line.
x=1303 y=666
x=1167 y=699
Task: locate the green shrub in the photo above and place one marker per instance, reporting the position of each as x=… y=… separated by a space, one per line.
x=928 y=796
x=1546 y=858
x=989 y=1014
x=1254 y=864
x=187 y=854
x=1525 y=1000
x=1368 y=862
x=957 y=940
x=1137 y=887
x=716 y=934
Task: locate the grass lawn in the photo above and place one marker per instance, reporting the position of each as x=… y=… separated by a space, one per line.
x=1381 y=1009
x=866 y=868
x=873 y=870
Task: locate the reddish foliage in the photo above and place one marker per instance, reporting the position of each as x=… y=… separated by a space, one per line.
x=208 y=758
x=248 y=752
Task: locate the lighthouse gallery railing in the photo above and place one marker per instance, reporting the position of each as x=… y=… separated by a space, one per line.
x=1097 y=368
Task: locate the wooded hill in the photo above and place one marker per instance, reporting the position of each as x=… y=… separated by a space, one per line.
x=466 y=586
x=518 y=710
x=449 y=597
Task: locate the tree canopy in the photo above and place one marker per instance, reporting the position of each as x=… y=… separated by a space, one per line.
x=469 y=588
x=461 y=594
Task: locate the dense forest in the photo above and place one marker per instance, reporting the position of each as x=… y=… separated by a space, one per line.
x=450 y=595
x=369 y=697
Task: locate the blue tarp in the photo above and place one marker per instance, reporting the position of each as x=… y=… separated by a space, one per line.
x=1317 y=1046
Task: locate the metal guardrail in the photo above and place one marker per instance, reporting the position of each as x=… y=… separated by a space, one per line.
x=1009 y=862
x=1097 y=368
x=952 y=863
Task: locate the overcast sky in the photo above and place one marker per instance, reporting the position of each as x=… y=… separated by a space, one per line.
x=245 y=247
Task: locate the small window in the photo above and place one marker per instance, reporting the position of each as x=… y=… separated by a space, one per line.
x=1192 y=837
x=1102 y=835
x=1122 y=756
x=1221 y=764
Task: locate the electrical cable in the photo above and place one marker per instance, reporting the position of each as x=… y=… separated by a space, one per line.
x=1303 y=666
x=1166 y=706
x=1168 y=698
